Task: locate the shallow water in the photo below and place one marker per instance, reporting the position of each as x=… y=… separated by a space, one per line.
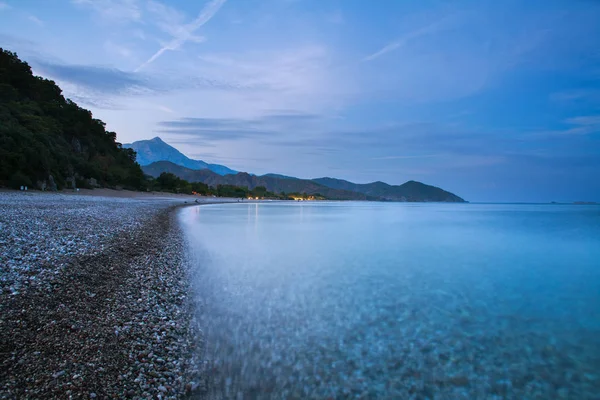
x=396 y=300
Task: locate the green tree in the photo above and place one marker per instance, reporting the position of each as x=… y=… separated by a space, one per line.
x=42 y=134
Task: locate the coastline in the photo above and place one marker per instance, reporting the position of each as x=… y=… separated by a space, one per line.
x=109 y=316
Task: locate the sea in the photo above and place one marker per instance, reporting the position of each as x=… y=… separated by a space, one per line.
x=369 y=300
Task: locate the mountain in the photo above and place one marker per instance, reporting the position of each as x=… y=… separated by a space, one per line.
x=279 y=176
x=149 y=151
x=50 y=142
x=335 y=189
x=243 y=179
x=409 y=191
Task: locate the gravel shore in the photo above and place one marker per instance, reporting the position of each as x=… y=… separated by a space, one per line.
x=93 y=299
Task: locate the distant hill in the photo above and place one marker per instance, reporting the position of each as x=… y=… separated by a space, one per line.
x=335 y=189
x=50 y=142
x=279 y=176
x=409 y=191
x=149 y=151
x=275 y=185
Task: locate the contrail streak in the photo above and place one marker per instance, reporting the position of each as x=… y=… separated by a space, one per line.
x=187 y=31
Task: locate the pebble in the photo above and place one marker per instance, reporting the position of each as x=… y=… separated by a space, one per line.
x=58 y=374
x=114 y=270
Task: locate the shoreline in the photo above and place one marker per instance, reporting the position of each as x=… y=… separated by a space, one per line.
x=113 y=321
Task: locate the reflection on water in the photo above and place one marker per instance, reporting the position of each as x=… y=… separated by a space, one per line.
x=379 y=300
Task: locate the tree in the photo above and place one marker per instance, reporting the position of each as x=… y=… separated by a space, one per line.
x=42 y=134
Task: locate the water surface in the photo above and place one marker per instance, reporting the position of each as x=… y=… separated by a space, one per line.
x=396 y=300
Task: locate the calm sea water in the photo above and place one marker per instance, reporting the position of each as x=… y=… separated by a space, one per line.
x=392 y=300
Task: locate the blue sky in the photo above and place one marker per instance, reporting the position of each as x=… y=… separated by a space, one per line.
x=493 y=100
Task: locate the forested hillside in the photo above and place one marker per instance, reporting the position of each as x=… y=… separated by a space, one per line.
x=245 y=180
x=47 y=141
x=408 y=191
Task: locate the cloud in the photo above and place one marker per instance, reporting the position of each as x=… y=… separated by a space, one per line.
x=165 y=109
x=403 y=40
x=139 y=34
x=97 y=84
x=299 y=78
x=420 y=142
x=83 y=98
x=4 y=6
x=185 y=33
x=117 y=49
x=585 y=120
x=199 y=142
x=405 y=157
x=241 y=81
x=97 y=78
x=301 y=133
x=217 y=129
x=10 y=41
x=169 y=20
x=583 y=125
x=36 y=20
x=215 y=157
x=212 y=129
x=142 y=13
x=579 y=96
x=470 y=48
x=114 y=10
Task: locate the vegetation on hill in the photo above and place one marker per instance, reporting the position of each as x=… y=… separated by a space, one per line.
x=168 y=182
x=242 y=179
x=409 y=191
x=47 y=140
x=333 y=189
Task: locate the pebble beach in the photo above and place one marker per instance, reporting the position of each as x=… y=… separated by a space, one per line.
x=94 y=298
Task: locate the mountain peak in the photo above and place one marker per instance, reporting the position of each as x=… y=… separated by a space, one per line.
x=156 y=149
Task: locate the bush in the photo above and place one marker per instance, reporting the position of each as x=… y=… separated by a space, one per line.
x=19 y=179
x=83 y=184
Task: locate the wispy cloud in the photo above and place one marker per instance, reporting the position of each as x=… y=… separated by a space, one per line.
x=304 y=134
x=165 y=109
x=185 y=33
x=117 y=49
x=114 y=10
x=294 y=78
x=591 y=95
x=97 y=82
x=97 y=78
x=4 y=6
x=36 y=20
x=469 y=49
x=17 y=42
x=169 y=20
x=583 y=125
x=216 y=129
x=585 y=120
x=405 y=157
x=403 y=40
x=139 y=34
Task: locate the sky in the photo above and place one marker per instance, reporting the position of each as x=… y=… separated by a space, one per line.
x=491 y=100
